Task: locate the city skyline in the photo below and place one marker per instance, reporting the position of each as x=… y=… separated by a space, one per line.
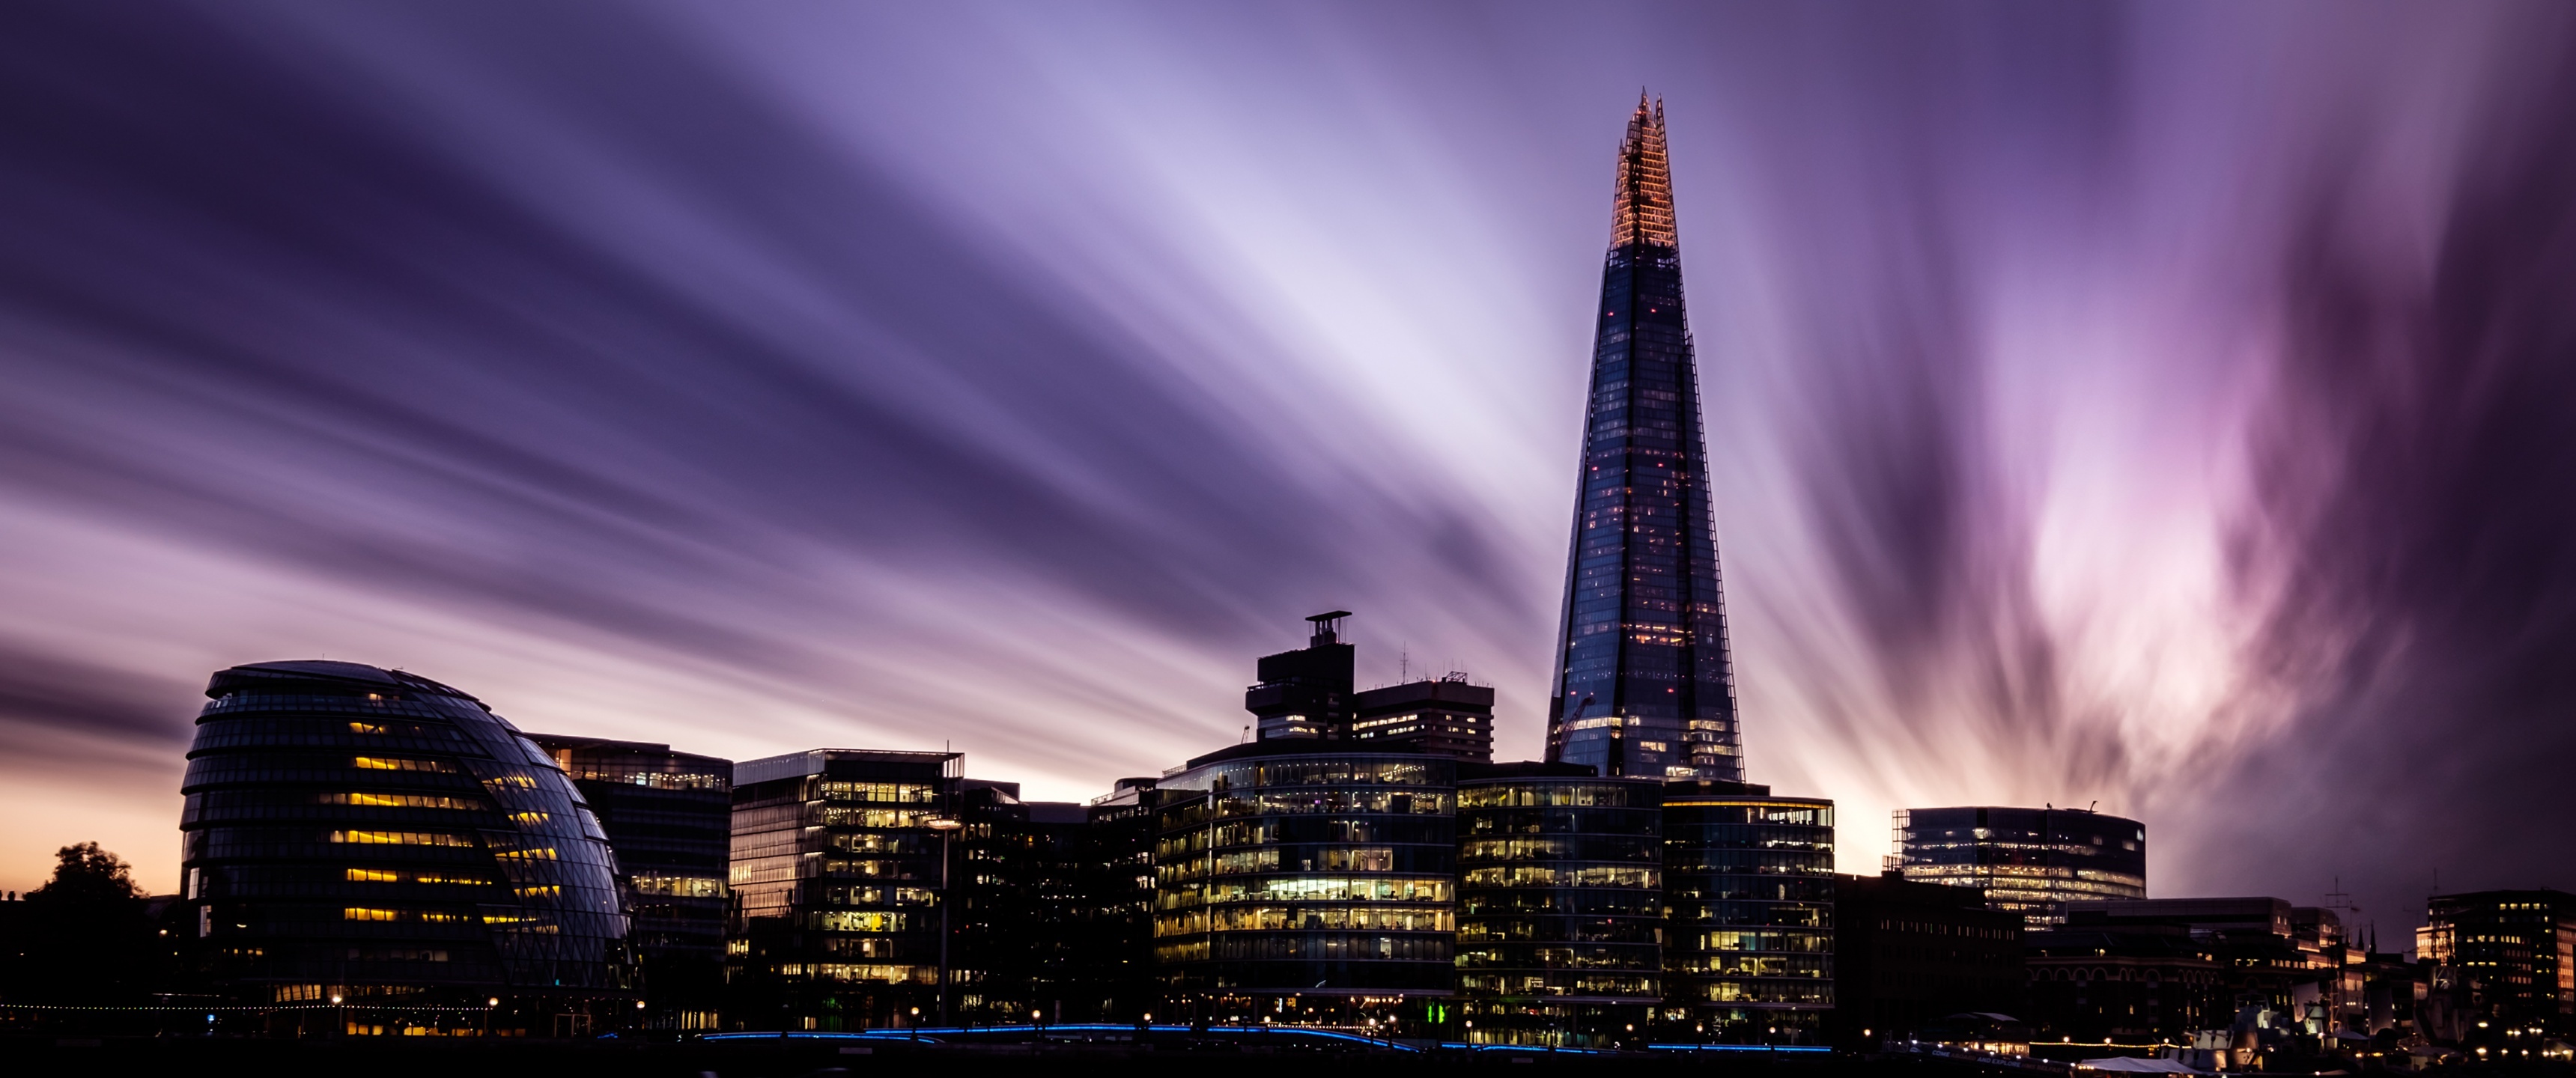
x=2153 y=405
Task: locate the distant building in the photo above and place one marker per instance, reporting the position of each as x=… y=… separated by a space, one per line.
x=2127 y=983
x=376 y=839
x=1299 y=881
x=1447 y=716
x=1306 y=694
x=2519 y=949
x=1749 y=883
x=1644 y=683
x=2026 y=861
x=839 y=867
x=2260 y=953
x=1560 y=904
x=1907 y=954
x=669 y=817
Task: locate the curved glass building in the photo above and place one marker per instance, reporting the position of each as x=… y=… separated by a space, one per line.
x=361 y=836
x=1307 y=886
x=1749 y=881
x=1560 y=904
x=2024 y=860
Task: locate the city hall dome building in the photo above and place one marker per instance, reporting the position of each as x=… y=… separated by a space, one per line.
x=380 y=844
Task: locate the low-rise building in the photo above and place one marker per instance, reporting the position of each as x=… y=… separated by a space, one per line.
x=1907 y=954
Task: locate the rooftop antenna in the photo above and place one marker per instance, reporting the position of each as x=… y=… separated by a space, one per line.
x=1403 y=663
x=2097 y=803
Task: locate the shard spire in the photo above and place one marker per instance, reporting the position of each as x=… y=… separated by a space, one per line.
x=1644 y=684
x=1644 y=213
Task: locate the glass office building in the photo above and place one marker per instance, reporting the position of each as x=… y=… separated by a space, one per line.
x=838 y=878
x=1560 y=905
x=2518 y=946
x=376 y=839
x=1294 y=885
x=1749 y=883
x=2026 y=861
x=1643 y=683
x=669 y=816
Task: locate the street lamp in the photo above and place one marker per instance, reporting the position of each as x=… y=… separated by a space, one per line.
x=946 y=826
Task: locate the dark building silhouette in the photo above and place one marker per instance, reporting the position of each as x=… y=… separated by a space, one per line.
x=669 y=817
x=2519 y=949
x=841 y=858
x=2127 y=982
x=1020 y=908
x=1446 y=715
x=2024 y=860
x=1116 y=937
x=1303 y=881
x=2166 y=966
x=1908 y=954
x=1560 y=904
x=1644 y=685
x=1306 y=693
x=1749 y=883
x=376 y=838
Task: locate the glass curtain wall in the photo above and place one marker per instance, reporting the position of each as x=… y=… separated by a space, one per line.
x=1560 y=908
x=838 y=878
x=1749 y=883
x=2026 y=861
x=358 y=839
x=1313 y=888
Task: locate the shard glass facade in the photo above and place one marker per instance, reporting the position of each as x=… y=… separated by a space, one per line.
x=1644 y=686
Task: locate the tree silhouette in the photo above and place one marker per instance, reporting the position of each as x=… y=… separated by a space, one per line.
x=85 y=873
x=86 y=936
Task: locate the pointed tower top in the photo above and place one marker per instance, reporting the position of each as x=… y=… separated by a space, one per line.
x=1644 y=213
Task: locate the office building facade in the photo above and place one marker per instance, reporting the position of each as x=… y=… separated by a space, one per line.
x=1308 y=886
x=1749 y=886
x=371 y=837
x=841 y=860
x=1020 y=909
x=1644 y=685
x=1560 y=905
x=1447 y=715
x=2026 y=861
x=1116 y=937
x=2517 y=947
x=669 y=817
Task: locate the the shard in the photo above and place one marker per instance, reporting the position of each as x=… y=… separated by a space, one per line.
x=1644 y=685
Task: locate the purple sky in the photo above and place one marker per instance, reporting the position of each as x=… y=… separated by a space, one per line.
x=2172 y=406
